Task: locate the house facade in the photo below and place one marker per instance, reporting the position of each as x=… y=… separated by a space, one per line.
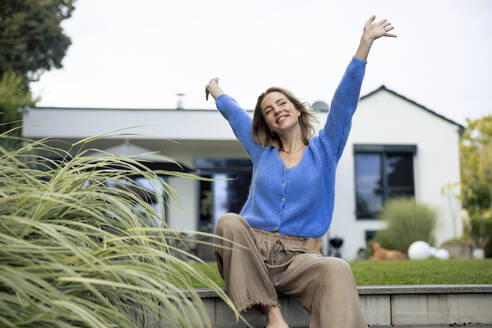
x=396 y=147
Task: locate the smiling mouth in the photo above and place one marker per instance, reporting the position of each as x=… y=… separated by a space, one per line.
x=278 y=119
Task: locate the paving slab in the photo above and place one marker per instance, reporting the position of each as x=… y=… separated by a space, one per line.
x=294 y=313
x=376 y=308
x=457 y=309
x=224 y=317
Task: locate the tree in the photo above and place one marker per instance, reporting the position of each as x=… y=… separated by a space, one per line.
x=31 y=42
x=13 y=96
x=476 y=171
x=31 y=38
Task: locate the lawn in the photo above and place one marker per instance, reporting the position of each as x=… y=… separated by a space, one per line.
x=405 y=272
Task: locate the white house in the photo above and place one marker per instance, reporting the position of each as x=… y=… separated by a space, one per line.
x=396 y=147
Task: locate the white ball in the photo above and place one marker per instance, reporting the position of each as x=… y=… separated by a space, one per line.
x=433 y=251
x=419 y=250
x=442 y=254
x=478 y=253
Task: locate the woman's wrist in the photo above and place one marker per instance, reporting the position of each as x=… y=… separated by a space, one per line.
x=216 y=92
x=364 y=47
x=366 y=38
x=213 y=88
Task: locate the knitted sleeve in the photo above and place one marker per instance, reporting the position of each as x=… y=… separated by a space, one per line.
x=240 y=123
x=343 y=105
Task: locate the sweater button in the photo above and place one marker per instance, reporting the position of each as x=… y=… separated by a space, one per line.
x=283 y=199
x=276 y=228
x=283 y=184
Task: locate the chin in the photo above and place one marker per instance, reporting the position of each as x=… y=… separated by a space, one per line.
x=286 y=126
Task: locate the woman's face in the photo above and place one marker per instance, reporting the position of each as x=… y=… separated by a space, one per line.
x=279 y=112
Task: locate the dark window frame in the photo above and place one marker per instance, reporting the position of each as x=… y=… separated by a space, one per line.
x=383 y=151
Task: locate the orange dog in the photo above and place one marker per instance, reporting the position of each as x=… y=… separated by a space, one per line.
x=380 y=253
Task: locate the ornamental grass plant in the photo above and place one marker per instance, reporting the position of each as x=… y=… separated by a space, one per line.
x=407 y=221
x=75 y=253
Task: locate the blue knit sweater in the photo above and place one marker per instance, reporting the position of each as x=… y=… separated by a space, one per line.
x=299 y=200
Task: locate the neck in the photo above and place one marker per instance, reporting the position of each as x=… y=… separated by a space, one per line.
x=291 y=141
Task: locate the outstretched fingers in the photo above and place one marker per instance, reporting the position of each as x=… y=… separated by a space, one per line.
x=382 y=28
x=390 y=34
x=381 y=22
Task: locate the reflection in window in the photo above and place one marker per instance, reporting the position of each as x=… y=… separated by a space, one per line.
x=381 y=175
x=153 y=188
x=368 y=183
x=399 y=170
x=227 y=193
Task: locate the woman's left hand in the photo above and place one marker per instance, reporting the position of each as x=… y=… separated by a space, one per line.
x=374 y=31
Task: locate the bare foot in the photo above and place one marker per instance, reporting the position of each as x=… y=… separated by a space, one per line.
x=275 y=318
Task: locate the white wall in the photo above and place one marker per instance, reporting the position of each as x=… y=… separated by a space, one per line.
x=183 y=212
x=384 y=118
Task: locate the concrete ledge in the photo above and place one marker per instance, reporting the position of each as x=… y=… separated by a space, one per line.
x=385 y=306
x=424 y=289
x=400 y=289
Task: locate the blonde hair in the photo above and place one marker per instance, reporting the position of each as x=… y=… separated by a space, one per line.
x=261 y=132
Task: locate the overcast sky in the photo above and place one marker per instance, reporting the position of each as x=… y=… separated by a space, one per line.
x=139 y=54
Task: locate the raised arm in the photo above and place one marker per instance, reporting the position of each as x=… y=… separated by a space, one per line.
x=346 y=97
x=236 y=116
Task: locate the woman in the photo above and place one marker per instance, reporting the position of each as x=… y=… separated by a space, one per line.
x=290 y=202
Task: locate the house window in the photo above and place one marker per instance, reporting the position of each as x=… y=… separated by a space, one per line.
x=227 y=193
x=152 y=193
x=381 y=173
x=369 y=235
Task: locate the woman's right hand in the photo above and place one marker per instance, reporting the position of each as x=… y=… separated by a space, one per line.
x=213 y=88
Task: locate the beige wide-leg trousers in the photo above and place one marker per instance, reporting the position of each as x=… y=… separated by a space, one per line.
x=270 y=262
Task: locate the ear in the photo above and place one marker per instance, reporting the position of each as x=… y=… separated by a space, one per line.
x=299 y=114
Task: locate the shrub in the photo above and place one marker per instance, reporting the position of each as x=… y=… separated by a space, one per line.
x=75 y=253
x=483 y=234
x=407 y=221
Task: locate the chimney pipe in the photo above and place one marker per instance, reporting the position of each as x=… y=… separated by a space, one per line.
x=179 y=104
